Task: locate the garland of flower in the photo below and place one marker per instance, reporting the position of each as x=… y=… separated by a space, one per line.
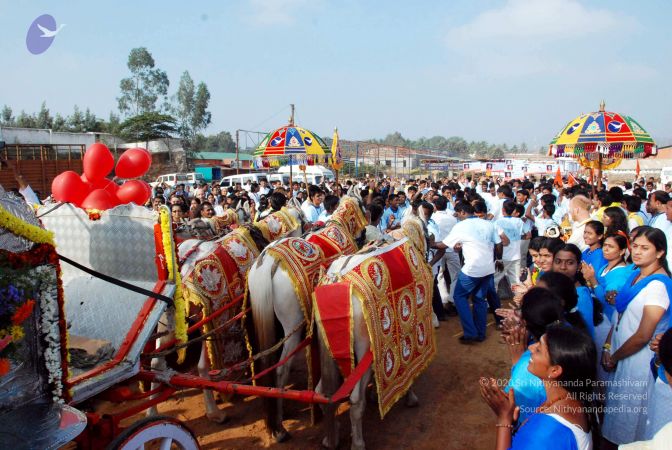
x=21 y=228
x=50 y=326
x=48 y=297
x=173 y=273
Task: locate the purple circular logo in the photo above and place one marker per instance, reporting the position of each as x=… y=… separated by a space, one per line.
x=41 y=34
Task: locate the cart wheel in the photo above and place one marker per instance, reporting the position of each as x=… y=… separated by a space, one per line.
x=157 y=432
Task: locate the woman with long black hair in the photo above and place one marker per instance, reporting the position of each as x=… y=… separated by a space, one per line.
x=641 y=305
x=564 y=360
x=540 y=308
x=567 y=260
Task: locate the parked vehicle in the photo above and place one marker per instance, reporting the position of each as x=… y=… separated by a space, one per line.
x=194 y=177
x=242 y=178
x=314 y=174
x=171 y=179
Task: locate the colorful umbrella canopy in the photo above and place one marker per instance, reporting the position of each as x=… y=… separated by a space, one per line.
x=604 y=136
x=293 y=141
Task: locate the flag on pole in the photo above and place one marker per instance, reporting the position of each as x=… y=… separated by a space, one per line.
x=637 y=170
x=558 y=178
x=571 y=181
x=336 y=157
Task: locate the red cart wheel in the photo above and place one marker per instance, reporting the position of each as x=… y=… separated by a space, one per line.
x=158 y=432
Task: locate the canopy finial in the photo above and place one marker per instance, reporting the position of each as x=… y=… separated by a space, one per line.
x=291 y=118
x=602 y=105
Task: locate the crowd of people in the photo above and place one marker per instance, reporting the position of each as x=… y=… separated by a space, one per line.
x=586 y=272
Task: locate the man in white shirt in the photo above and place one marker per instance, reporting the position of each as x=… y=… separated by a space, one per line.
x=656 y=206
x=450 y=262
x=579 y=212
x=512 y=228
x=263 y=187
x=330 y=204
x=479 y=241
x=312 y=208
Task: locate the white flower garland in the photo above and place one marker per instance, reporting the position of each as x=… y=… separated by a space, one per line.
x=48 y=298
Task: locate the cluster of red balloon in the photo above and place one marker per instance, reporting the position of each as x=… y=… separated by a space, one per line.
x=93 y=191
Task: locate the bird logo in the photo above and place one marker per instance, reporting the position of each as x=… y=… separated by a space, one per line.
x=41 y=34
x=615 y=126
x=573 y=128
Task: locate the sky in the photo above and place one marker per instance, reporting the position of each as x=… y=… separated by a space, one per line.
x=503 y=71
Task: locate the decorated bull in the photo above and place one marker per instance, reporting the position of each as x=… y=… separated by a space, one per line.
x=213 y=275
x=281 y=284
x=375 y=306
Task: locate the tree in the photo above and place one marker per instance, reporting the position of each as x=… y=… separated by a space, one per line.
x=191 y=108
x=395 y=139
x=91 y=122
x=44 y=119
x=523 y=148
x=220 y=142
x=113 y=123
x=456 y=146
x=146 y=85
x=26 y=120
x=6 y=117
x=201 y=117
x=76 y=120
x=60 y=124
x=148 y=126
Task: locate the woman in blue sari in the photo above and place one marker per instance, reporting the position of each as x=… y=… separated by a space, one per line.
x=567 y=261
x=540 y=308
x=607 y=280
x=592 y=236
x=642 y=306
x=564 y=359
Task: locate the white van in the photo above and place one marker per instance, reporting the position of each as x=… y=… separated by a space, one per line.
x=195 y=177
x=242 y=178
x=281 y=177
x=314 y=174
x=171 y=179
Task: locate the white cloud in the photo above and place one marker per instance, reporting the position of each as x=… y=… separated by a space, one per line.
x=538 y=19
x=278 y=12
x=525 y=38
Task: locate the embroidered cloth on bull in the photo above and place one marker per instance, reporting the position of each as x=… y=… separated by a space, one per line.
x=333 y=316
x=334 y=242
x=212 y=284
x=395 y=288
x=277 y=224
x=240 y=245
x=216 y=280
x=302 y=260
x=350 y=216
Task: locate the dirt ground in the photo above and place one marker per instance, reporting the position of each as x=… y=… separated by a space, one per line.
x=451 y=414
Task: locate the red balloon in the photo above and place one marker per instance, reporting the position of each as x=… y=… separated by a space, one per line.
x=69 y=187
x=98 y=162
x=107 y=185
x=134 y=191
x=133 y=163
x=99 y=199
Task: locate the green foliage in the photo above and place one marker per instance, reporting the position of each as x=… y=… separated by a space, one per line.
x=148 y=126
x=454 y=146
x=191 y=108
x=220 y=142
x=7 y=117
x=76 y=121
x=145 y=87
x=44 y=119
